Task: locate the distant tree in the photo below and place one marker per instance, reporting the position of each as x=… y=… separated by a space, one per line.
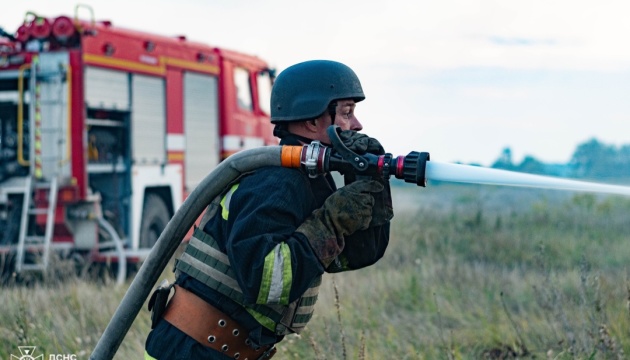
x=532 y=165
x=591 y=159
x=594 y=159
x=529 y=164
x=505 y=160
x=622 y=161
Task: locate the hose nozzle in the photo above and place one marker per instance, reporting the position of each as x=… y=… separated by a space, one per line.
x=318 y=159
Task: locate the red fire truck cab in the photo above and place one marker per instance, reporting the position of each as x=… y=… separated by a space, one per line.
x=104 y=130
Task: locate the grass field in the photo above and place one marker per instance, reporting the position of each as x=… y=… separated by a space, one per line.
x=471 y=273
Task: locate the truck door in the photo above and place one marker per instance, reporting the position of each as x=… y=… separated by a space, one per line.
x=201 y=127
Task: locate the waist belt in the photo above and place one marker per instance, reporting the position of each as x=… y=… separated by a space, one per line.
x=212 y=328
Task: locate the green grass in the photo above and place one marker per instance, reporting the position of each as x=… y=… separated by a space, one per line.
x=471 y=273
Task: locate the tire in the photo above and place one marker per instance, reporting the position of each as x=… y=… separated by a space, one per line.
x=155 y=216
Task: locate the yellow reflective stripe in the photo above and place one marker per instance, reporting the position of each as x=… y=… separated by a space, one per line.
x=265 y=282
x=262 y=319
x=148 y=357
x=225 y=202
x=277 y=276
x=287 y=274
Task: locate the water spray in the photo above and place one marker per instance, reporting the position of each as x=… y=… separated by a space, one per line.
x=417 y=168
x=478 y=175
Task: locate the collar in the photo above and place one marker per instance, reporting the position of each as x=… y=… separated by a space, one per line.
x=293 y=139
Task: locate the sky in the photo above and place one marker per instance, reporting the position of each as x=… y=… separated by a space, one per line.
x=461 y=79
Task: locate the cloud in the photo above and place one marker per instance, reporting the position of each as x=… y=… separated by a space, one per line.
x=444 y=34
x=515 y=41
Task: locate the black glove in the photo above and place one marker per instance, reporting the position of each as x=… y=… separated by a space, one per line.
x=365 y=247
x=383 y=209
x=346 y=211
x=361 y=143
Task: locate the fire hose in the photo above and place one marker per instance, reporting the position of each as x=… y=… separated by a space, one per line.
x=315 y=159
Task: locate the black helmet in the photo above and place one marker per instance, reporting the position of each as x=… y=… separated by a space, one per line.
x=304 y=90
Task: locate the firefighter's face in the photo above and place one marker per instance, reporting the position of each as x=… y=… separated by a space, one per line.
x=345 y=119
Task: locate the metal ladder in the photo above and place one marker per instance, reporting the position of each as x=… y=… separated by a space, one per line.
x=28 y=240
x=46 y=158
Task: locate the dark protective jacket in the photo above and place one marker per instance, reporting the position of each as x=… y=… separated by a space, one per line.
x=257 y=220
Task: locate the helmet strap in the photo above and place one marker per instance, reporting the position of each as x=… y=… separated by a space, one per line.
x=332 y=111
x=280 y=131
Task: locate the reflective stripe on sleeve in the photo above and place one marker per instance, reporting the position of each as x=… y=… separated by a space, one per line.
x=225 y=202
x=277 y=276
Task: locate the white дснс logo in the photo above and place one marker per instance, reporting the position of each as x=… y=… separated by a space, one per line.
x=27 y=353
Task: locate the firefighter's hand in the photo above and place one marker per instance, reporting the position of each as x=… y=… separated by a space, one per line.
x=346 y=211
x=383 y=209
x=361 y=143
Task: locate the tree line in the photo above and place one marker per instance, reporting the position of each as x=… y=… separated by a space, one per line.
x=592 y=159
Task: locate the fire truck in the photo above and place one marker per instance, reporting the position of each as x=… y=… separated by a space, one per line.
x=105 y=130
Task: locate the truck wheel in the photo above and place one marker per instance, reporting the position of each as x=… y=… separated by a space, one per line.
x=155 y=216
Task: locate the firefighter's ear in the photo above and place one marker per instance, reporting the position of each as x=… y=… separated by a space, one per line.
x=311 y=125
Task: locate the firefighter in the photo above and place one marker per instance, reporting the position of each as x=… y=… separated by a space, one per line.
x=251 y=272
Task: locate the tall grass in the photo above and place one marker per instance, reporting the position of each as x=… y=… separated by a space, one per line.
x=471 y=273
x=66 y=319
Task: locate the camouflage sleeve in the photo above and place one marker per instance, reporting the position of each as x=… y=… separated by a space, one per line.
x=366 y=247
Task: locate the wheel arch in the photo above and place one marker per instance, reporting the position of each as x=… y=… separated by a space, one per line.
x=165 y=193
x=163 y=181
